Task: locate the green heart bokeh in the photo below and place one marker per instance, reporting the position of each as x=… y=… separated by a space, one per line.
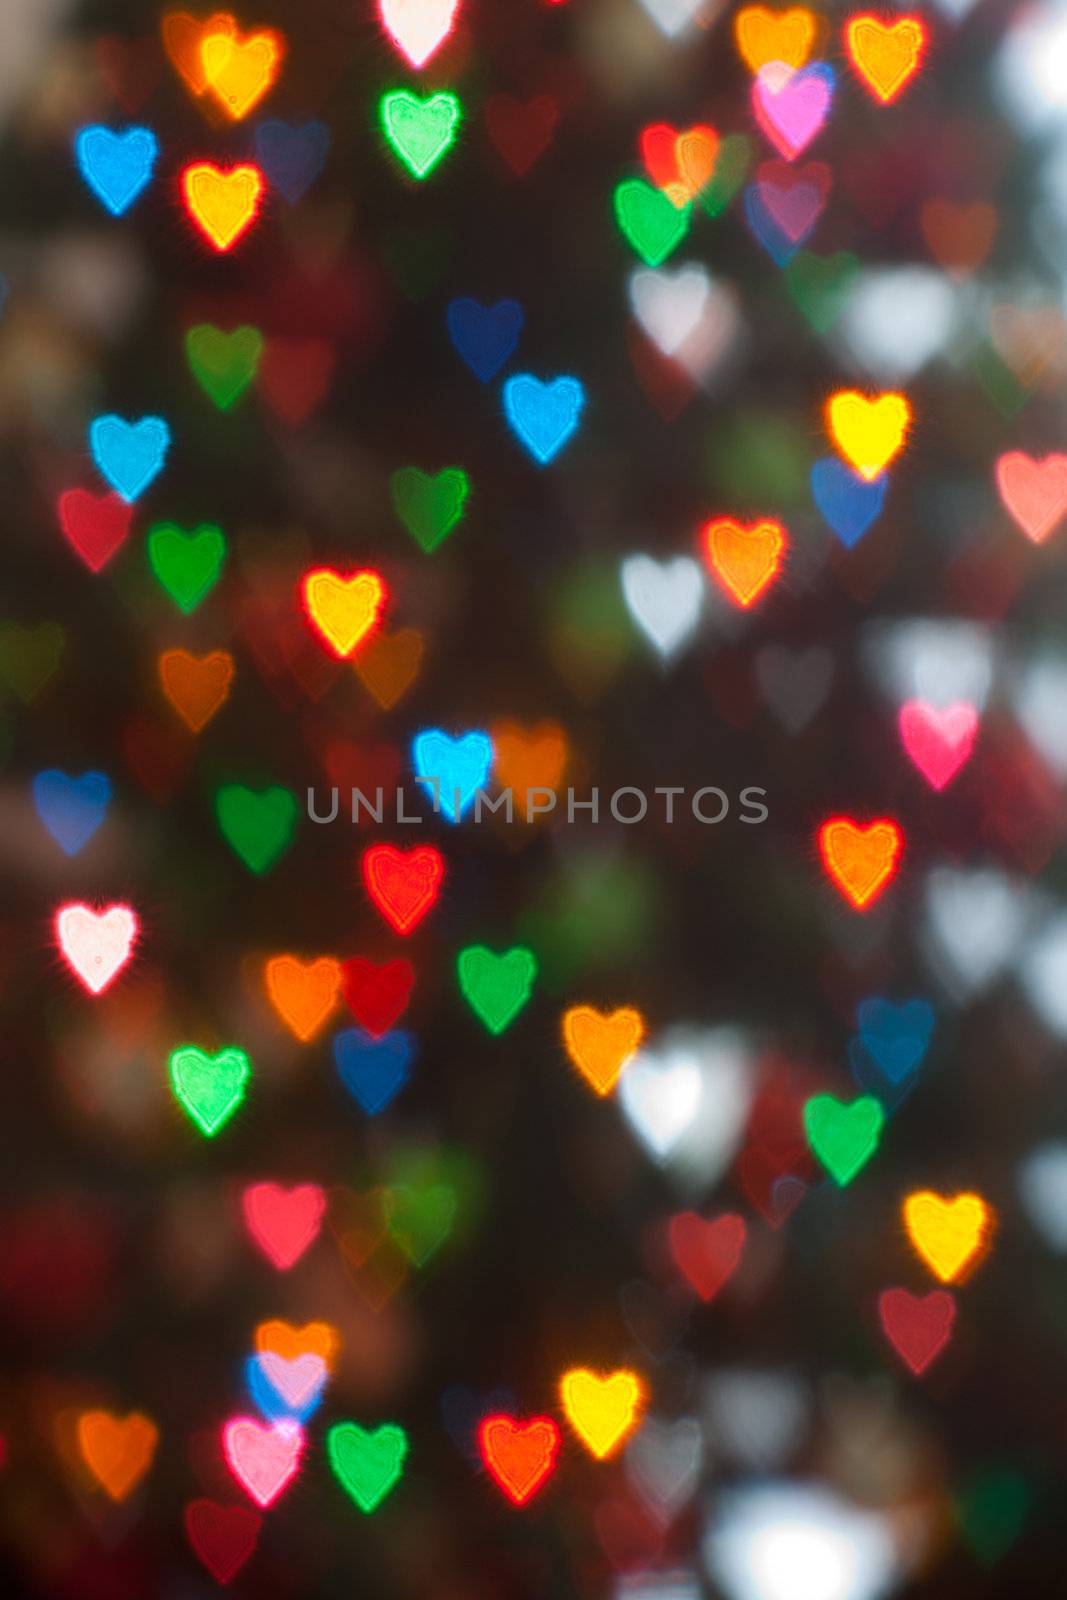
x=649 y=220
x=258 y=826
x=367 y=1465
x=187 y=565
x=844 y=1137
x=223 y=364
x=209 y=1088
x=821 y=285
x=496 y=987
x=429 y=506
x=420 y=131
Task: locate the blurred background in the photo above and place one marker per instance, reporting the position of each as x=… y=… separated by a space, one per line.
x=497 y=1222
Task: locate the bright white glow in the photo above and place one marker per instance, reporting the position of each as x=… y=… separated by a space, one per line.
x=1032 y=68
x=941 y=660
x=897 y=319
x=783 y=1541
x=663 y=598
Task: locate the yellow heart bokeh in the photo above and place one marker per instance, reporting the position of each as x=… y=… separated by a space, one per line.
x=948 y=1234
x=344 y=610
x=868 y=430
x=222 y=204
x=240 y=71
x=601 y=1410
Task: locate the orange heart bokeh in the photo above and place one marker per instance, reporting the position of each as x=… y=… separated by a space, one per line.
x=284 y=1339
x=303 y=993
x=117 y=1451
x=183 y=36
x=744 y=560
x=764 y=36
x=390 y=664
x=885 y=54
x=197 y=687
x=239 y=71
x=527 y=759
x=600 y=1045
x=860 y=861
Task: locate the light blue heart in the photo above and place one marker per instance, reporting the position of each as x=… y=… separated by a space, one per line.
x=452 y=770
x=543 y=415
x=129 y=454
x=274 y=1406
x=71 y=808
x=116 y=166
x=373 y=1070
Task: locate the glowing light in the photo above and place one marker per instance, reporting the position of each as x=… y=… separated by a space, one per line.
x=764 y=36
x=209 y=1088
x=95 y=526
x=744 y=560
x=843 y=1137
x=938 y=739
x=403 y=884
x=792 y=106
x=649 y=220
x=117 y=166
x=520 y=1456
x=262 y=1459
x=186 y=565
x=429 y=506
x=420 y=131
x=418 y=28
x=1033 y=492
x=860 y=861
x=602 y=1410
x=239 y=72
x=949 y=1235
x=258 y=826
x=377 y=995
x=72 y=809
x=680 y=164
x=96 y=945
x=284 y=1389
x=496 y=987
x=918 y=1327
x=343 y=609
x=223 y=364
x=600 y=1045
x=117 y=1451
x=869 y=431
x=543 y=415
x=367 y=1465
x=303 y=994
x=314 y=1338
x=183 y=37
x=886 y=55
x=707 y=1253
x=798 y=1541
x=223 y=204
x=283 y=1223
x=130 y=455
x=452 y=770
x=196 y=686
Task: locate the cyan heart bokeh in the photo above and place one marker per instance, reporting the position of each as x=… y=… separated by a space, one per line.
x=117 y=166
x=129 y=454
x=452 y=770
x=543 y=416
